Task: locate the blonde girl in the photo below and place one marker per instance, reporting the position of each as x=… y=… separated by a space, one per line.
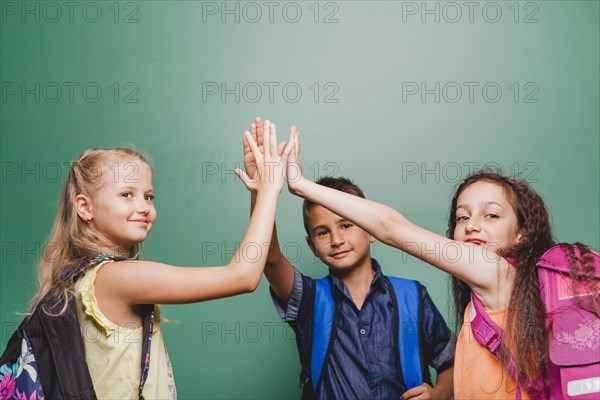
x=90 y=267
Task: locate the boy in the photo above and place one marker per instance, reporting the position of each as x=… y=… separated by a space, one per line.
x=362 y=359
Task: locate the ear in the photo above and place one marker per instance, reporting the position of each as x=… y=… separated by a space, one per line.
x=519 y=235
x=312 y=246
x=372 y=239
x=83 y=206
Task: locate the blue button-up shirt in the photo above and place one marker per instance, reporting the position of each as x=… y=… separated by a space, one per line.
x=363 y=359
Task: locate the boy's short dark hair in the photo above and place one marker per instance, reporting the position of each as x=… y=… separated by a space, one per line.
x=341 y=184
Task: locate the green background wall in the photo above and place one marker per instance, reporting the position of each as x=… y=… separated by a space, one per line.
x=381 y=91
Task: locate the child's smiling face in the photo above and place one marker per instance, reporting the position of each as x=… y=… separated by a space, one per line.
x=123 y=207
x=336 y=241
x=485 y=216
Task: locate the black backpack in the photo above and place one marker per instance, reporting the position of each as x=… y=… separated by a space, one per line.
x=46 y=354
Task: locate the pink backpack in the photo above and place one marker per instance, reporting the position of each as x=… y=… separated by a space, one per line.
x=574 y=343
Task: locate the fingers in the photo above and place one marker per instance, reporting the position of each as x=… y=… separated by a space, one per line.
x=295 y=153
x=266 y=165
x=267 y=138
x=255 y=150
x=263 y=137
x=296 y=134
x=415 y=392
x=270 y=140
x=293 y=167
x=247 y=148
x=273 y=141
x=259 y=131
x=289 y=146
x=253 y=130
x=280 y=147
x=246 y=180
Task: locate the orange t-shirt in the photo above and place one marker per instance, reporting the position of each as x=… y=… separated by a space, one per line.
x=478 y=374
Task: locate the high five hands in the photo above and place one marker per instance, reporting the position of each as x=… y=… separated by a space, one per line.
x=265 y=160
x=263 y=153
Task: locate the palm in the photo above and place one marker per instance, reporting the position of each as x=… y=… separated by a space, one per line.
x=249 y=161
x=294 y=168
x=256 y=131
x=264 y=167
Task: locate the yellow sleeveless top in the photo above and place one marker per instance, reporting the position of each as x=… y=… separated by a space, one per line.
x=113 y=353
x=478 y=374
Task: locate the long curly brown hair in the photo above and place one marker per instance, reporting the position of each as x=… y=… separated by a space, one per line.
x=529 y=339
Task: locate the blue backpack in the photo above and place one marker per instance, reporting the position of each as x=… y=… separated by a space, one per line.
x=408 y=343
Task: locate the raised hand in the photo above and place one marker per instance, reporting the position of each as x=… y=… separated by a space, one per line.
x=256 y=131
x=264 y=160
x=294 y=167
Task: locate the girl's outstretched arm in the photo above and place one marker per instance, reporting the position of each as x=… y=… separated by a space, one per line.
x=476 y=265
x=278 y=269
x=145 y=282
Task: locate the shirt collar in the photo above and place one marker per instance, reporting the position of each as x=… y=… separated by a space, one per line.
x=377 y=279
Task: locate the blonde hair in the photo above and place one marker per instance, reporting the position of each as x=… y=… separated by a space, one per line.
x=71 y=239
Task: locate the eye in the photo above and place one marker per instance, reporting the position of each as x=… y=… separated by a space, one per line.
x=321 y=232
x=127 y=194
x=462 y=218
x=492 y=216
x=346 y=226
x=149 y=197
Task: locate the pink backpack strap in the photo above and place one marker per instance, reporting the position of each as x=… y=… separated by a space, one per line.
x=487 y=333
x=557 y=259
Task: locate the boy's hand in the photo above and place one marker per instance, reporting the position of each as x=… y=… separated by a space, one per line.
x=267 y=166
x=294 y=167
x=423 y=392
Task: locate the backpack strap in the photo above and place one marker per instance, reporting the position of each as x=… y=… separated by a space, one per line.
x=408 y=311
x=486 y=331
x=64 y=338
x=53 y=350
x=322 y=329
x=557 y=259
x=148 y=325
x=489 y=335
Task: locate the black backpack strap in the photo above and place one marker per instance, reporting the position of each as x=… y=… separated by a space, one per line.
x=308 y=392
x=61 y=348
x=57 y=347
x=148 y=325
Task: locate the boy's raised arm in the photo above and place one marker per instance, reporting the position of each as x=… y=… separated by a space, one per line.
x=278 y=269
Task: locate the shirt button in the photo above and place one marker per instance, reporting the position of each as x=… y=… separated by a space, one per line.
x=362 y=331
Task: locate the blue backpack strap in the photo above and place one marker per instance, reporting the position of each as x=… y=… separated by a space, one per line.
x=323 y=319
x=408 y=299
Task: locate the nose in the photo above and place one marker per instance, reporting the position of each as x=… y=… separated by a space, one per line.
x=144 y=207
x=472 y=225
x=337 y=239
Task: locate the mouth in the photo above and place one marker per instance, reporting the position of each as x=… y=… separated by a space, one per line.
x=477 y=242
x=340 y=254
x=140 y=221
